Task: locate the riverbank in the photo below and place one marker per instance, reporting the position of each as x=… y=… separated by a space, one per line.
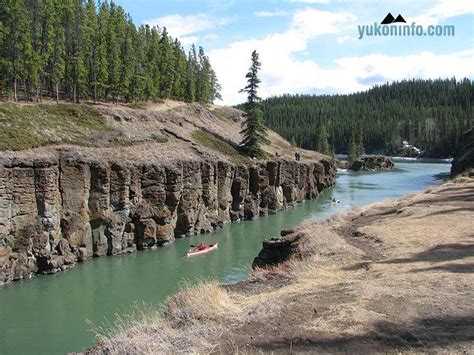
x=134 y=179
x=394 y=276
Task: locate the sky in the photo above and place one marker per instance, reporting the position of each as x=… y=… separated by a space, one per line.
x=313 y=46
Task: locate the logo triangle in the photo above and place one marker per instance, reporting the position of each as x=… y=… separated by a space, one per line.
x=400 y=19
x=388 y=19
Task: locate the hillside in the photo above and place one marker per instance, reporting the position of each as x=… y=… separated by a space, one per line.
x=430 y=114
x=166 y=130
x=90 y=50
x=89 y=181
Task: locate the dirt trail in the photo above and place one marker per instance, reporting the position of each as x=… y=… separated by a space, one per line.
x=394 y=277
x=407 y=284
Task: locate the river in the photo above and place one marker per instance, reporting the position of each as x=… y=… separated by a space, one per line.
x=47 y=314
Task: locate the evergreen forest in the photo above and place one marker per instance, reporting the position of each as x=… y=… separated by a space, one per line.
x=82 y=50
x=430 y=114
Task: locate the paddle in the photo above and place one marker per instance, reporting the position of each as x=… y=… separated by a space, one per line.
x=194 y=246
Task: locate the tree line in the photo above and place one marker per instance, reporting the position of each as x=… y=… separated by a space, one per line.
x=77 y=50
x=430 y=114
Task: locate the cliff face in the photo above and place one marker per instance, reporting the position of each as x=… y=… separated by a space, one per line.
x=68 y=207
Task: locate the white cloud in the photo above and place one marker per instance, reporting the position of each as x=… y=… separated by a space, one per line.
x=210 y=36
x=345 y=38
x=312 y=22
x=361 y=70
x=270 y=13
x=283 y=73
x=188 y=40
x=180 y=26
x=310 y=1
x=443 y=10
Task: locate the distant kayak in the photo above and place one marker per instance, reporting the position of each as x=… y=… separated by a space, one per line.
x=203 y=250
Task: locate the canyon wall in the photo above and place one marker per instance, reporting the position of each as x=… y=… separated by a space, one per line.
x=65 y=208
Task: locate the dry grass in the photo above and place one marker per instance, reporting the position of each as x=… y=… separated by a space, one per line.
x=141 y=132
x=395 y=276
x=189 y=324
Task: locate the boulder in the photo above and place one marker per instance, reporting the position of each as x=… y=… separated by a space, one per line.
x=372 y=163
x=278 y=250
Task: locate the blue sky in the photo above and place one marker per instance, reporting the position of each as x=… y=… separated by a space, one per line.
x=312 y=46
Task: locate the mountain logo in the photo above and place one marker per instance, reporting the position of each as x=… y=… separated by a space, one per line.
x=390 y=19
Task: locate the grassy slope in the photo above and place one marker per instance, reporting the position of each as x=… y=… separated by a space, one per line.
x=395 y=277
x=190 y=131
x=30 y=126
x=212 y=142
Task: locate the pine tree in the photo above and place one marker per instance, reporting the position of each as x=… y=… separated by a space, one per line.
x=254 y=131
x=74 y=50
x=165 y=61
x=360 y=144
x=204 y=89
x=353 y=149
x=215 y=86
x=88 y=76
x=322 y=143
x=114 y=34
x=293 y=142
x=33 y=50
x=191 y=75
x=129 y=56
x=56 y=66
x=16 y=35
x=101 y=84
x=47 y=16
x=3 y=50
x=180 y=70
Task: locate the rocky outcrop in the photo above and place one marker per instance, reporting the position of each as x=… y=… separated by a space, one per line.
x=464 y=157
x=68 y=207
x=277 y=250
x=372 y=163
x=405 y=150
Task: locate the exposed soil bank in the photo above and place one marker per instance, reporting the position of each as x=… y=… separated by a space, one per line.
x=395 y=276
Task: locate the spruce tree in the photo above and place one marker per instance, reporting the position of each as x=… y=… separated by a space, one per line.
x=322 y=143
x=254 y=131
x=353 y=149
x=360 y=144
x=191 y=76
x=74 y=49
x=166 y=60
x=101 y=83
x=56 y=66
x=88 y=76
x=293 y=142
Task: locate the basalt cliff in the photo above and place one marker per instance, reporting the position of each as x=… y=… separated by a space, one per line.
x=63 y=204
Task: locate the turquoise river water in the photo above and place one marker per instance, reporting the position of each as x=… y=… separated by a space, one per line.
x=47 y=314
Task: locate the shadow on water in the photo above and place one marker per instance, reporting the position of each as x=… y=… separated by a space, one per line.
x=444 y=176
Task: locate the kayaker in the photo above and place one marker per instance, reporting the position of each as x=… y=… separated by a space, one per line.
x=201 y=246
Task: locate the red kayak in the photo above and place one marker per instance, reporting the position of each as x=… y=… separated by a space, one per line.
x=202 y=250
